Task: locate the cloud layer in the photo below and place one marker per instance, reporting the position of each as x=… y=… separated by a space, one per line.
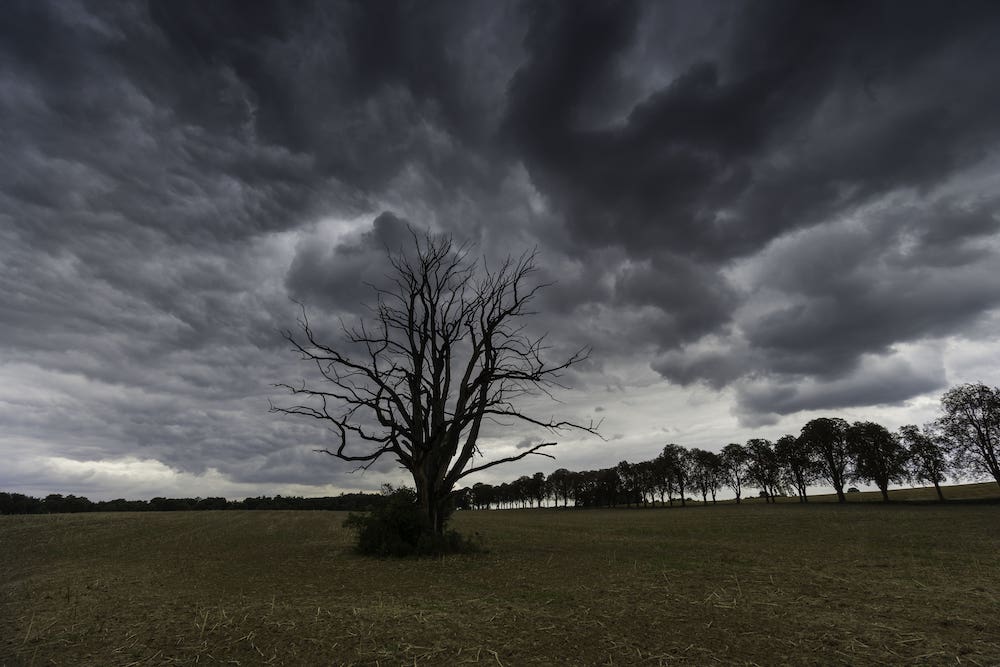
x=776 y=207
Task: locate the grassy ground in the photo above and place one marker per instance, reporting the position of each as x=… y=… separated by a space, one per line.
x=750 y=584
x=974 y=491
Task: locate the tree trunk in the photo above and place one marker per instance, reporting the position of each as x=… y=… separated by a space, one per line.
x=434 y=519
x=432 y=502
x=937 y=487
x=885 y=493
x=841 y=498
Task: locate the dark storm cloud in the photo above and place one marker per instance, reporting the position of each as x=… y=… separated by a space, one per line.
x=848 y=291
x=697 y=300
x=883 y=382
x=341 y=277
x=801 y=114
x=783 y=197
x=812 y=108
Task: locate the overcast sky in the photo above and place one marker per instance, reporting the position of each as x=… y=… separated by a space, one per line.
x=755 y=214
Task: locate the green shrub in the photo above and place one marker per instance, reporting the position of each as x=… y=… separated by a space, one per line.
x=399 y=528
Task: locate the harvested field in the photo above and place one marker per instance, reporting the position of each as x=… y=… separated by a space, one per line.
x=783 y=584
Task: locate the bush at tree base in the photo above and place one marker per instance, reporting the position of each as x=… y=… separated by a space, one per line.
x=399 y=529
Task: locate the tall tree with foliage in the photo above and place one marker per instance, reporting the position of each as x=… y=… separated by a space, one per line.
x=705 y=472
x=763 y=468
x=627 y=480
x=826 y=439
x=678 y=462
x=645 y=481
x=971 y=423
x=539 y=488
x=444 y=352
x=483 y=495
x=735 y=462
x=796 y=463
x=663 y=482
x=879 y=456
x=562 y=483
x=928 y=455
x=585 y=488
x=609 y=486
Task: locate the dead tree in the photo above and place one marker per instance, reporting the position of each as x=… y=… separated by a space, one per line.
x=444 y=350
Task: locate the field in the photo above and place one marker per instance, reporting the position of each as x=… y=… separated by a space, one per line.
x=749 y=584
x=976 y=491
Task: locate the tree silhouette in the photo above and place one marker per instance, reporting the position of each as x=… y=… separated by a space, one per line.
x=928 y=455
x=646 y=482
x=483 y=495
x=879 y=456
x=539 y=488
x=628 y=480
x=444 y=350
x=796 y=464
x=763 y=468
x=735 y=462
x=971 y=423
x=826 y=438
x=562 y=483
x=705 y=472
x=677 y=462
x=662 y=479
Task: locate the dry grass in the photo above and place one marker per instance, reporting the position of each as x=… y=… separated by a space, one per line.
x=751 y=584
x=975 y=492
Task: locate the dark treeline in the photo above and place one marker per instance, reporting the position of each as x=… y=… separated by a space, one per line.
x=17 y=503
x=964 y=441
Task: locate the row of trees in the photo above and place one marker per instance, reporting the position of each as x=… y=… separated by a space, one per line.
x=55 y=503
x=964 y=441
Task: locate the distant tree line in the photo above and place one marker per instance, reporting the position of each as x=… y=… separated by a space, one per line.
x=17 y=503
x=965 y=440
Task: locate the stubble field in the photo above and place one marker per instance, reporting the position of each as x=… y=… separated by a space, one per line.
x=750 y=584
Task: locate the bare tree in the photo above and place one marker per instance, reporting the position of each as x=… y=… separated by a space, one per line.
x=444 y=350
